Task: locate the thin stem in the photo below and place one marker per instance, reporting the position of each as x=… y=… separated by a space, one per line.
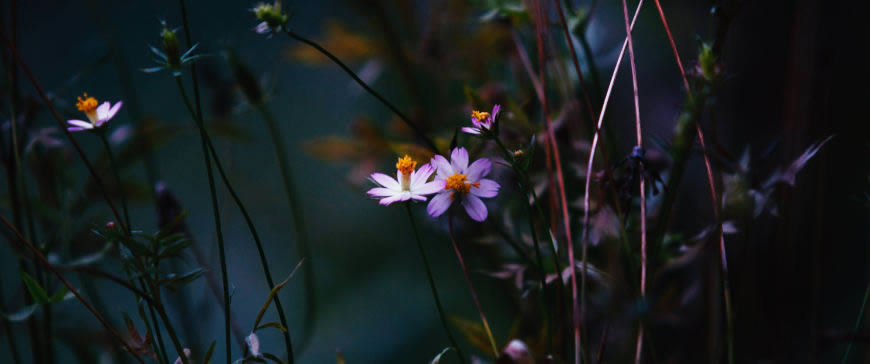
x=715 y=200
x=13 y=347
x=429 y=276
x=541 y=21
x=470 y=286
x=217 y=221
x=303 y=248
x=113 y=165
x=156 y=332
x=639 y=135
x=857 y=324
x=583 y=89
x=69 y=286
x=429 y=143
x=249 y=221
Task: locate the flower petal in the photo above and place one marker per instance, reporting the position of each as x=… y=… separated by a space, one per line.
x=391 y=199
x=80 y=123
x=75 y=128
x=459 y=159
x=495 y=110
x=386 y=181
x=113 y=110
x=468 y=130
x=429 y=188
x=103 y=110
x=442 y=166
x=439 y=204
x=480 y=168
x=487 y=188
x=474 y=207
x=422 y=174
x=262 y=28
x=381 y=192
x=418 y=197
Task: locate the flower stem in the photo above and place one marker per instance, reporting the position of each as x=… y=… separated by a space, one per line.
x=857 y=325
x=471 y=287
x=429 y=143
x=302 y=247
x=113 y=165
x=217 y=222
x=441 y=313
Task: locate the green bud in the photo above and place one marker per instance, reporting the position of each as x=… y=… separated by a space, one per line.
x=707 y=61
x=170 y=47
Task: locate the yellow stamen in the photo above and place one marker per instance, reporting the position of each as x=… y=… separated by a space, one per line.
x=406 y=165
x=457 y=182
x=86 y=105
x=480 y=115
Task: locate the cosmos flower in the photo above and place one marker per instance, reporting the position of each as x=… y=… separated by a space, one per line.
x=97 y=115
x=482 y=121
x=463 y=183
x=408 y=184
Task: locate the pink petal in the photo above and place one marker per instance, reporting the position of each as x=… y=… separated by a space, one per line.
x=480 y=168
x=262 y=28
x=474 y=207
x=440 y=203
x=418 y=197
x=495 y=110
x=442 y=166
x=488 y=188
x=459 y=159
x=75 y=128
x=429 y=188
x=386 y=181
x=468 y=130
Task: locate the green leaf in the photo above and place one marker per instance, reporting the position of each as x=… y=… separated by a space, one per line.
x=208 y=354
x=174 y=281
x=474 y=333
x=58 y=296
x=38 y=293
x=167 y=229
x=274 y=292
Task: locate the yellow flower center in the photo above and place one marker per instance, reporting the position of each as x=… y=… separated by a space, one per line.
x=459 y=183
x=480 y=115
x=406 y=165
x=88 y=105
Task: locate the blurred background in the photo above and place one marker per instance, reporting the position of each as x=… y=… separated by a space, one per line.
x=793 y=75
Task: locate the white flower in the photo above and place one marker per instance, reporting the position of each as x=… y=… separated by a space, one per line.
x=408 y=184
x=253 y=344
x=97 y=115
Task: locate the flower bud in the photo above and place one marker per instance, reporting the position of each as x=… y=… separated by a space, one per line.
x=270 y=16
x=170 y=46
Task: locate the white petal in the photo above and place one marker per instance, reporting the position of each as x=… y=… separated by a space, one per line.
x=113 y=111
x=459 y=159
x=418 y=197
x=81 y=124
x=480 y=168
x=439 y=204
x=388 y=200
x=386 y=181
x=474 y=131
x=381 y=192
x=488 y=188
x=103 y=110
x=474 y=207
x=422 y=174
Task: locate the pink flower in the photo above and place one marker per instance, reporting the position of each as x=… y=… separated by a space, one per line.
x=97 y=115
x=408 y=184
x=482 y=121
x=464 y=183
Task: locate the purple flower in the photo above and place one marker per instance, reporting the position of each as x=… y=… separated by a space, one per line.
x=97 y=115
x=482 y=121
x=408 y=184
x=462 y=182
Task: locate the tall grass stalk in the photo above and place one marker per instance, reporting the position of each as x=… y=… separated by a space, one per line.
x=471 y=286
x=441 y=314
